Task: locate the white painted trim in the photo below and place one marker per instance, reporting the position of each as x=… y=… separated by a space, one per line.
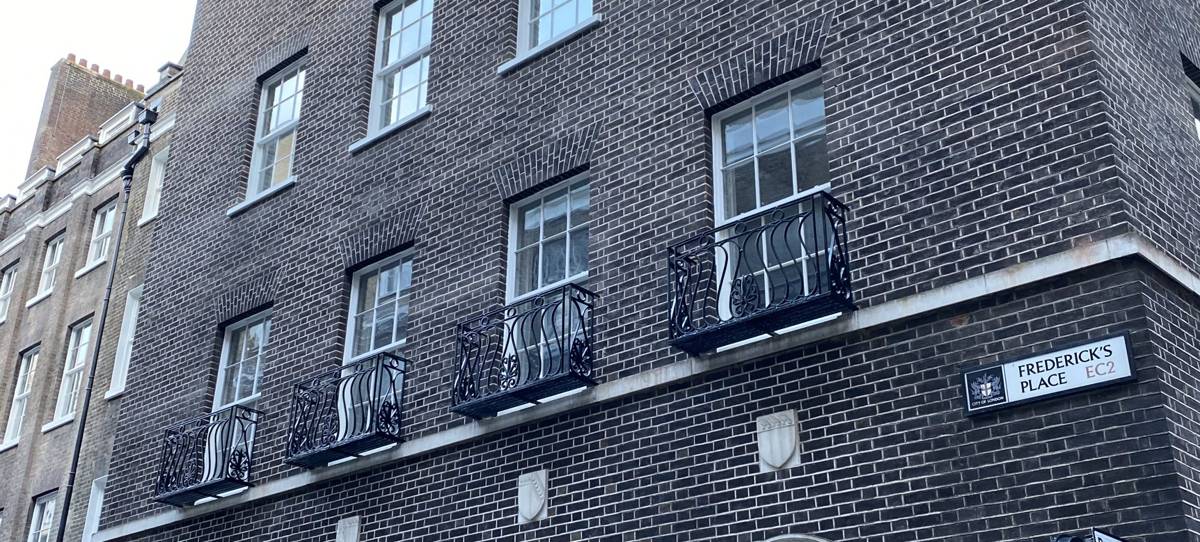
x=265 y=194
x=73 y=155
x=8 y=446
x=113 y=394
x=55 y=424
x=91 y=267
x=39 y=298
x=528 y=55
x=162 y=127
x=44 y=218
x=402 y=123
x=117 y=123
x=891 y=311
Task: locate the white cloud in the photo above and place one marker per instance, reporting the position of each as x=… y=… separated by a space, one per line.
x=132 y=38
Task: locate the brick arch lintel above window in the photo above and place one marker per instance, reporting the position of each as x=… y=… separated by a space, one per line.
x=764 y=64
x=281 y=54
x=382 y=236
x=553 y=162
x=245 y=297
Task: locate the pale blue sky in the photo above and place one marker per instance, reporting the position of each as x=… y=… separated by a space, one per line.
x=132 y=38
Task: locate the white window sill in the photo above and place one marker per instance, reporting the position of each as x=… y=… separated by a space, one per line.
x=113 y=393
x=89 y=267
x=528 y=55
x=8 y=446
x=147 y=219
x=38 y=298
x=56 y=424
x=375 y=137
x=259 y=197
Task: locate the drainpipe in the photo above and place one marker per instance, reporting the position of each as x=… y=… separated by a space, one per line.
x=140 y=139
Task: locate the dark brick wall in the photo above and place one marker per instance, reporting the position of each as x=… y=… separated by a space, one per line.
x=964 y=136
x=887 y=452
x=1141 y=45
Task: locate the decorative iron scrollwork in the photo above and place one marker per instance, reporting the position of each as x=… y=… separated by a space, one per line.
x=773 y=261
x=525 y=346
x=345 y=405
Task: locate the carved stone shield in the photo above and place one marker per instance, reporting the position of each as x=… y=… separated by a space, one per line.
x=778 y=441
x=531 y=497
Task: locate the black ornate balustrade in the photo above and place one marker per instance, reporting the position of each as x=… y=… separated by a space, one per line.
x=207 y=456
x=525 y=353
x=761 y=275
x=348 y=411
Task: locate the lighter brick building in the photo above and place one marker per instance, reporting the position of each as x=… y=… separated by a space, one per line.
x=58 y=243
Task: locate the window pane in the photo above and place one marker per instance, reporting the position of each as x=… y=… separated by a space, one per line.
x=367 y=291
x=527 y=268
x=772 y=123
x=579 y=206
x=406 y=274
x=384 y=323
x=808 y=109
x=775 y=175
x=541 y=7
x=739 y=189
x=738 y=138
x=283 y=151
x=812 y=161
x=555 y=218
x=363 y=329
x=554 y=260
x=564 y=19
x=579 y=254
x=585 y=9
x=529 y=221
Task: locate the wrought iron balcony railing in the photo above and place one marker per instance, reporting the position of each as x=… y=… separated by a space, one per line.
x=761 y=275
x=207 y=456
x=348 y=411
x=525 y=353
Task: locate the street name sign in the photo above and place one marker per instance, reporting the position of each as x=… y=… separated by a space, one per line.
x=1068 y=370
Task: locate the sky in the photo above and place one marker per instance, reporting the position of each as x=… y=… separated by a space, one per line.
x=111 y=33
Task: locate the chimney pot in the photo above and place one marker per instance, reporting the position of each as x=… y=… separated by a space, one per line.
x=95 y=67
x=83 y=62
x=118 y=78
x=107 y=74
x=71 y=57
x=141 y=88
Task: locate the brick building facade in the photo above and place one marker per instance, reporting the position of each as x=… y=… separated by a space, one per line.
x=791 y=227
x=58 y=238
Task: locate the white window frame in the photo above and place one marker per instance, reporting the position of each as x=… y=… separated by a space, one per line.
x=120 y=372
x=352 y=319
x=526 y=20
x=27 y=369
x=79 y=344
x=103 y=222
x=41 y=519
x=50 y=263
x=420 y=55
x=219 y=402
x=153 y=198
x=719 y=196
x=91 y=522
x=261 y=140
x=718 y=154
x=8 y=280
x=511 y=295
x=1192 y=88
